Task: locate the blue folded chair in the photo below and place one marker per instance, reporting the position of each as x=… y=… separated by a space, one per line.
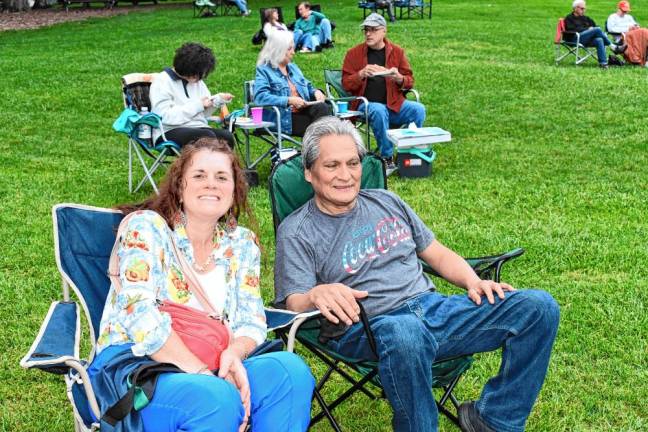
x=83 y=240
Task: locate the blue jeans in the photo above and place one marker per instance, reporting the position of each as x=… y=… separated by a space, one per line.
x=304 y=40
x=241 y=4
x=595 y=37
x=433 y=326
x=281 y=387
x=310 y=41
x=382 y=118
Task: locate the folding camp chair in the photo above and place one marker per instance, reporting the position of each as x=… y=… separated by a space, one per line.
x=135 y=91
x=288 y=191
x=83 y=239
x=416 y=8
x=268 y=132
x=260 y=36
x=369 y=7
x=571 y=45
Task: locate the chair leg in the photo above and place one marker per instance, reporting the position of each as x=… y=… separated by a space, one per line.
x=326 y=411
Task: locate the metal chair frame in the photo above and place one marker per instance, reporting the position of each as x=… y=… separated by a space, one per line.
x=580 y=52
x=417 y=10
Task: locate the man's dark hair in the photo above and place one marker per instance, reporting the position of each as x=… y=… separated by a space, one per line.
x=194 y=60
x=306 y=4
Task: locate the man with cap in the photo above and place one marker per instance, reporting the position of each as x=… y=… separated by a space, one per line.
x=590 y=34
x=378 y=70
x=628 y=32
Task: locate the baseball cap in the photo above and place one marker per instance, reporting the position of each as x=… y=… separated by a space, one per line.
x=374 y=20
x=624 y=6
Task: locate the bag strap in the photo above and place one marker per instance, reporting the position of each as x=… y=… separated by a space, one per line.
x=192 y=280
x=144 y=378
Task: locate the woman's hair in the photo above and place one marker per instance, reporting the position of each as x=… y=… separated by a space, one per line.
x=194 y=60
x=578 y=3
x=275 y=48
x=326 y=126
x=167 y=203
x=267 y=15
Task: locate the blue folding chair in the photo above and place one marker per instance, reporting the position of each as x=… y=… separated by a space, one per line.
x=83 y=239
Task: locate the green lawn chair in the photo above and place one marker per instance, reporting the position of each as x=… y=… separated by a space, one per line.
x=288 y=191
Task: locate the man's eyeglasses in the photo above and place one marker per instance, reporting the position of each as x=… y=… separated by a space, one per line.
x=371 y=29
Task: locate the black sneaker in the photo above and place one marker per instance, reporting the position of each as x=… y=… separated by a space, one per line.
x=470 y=420
x=329 y=44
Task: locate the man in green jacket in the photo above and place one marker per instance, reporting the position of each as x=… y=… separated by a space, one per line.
x=312 y=30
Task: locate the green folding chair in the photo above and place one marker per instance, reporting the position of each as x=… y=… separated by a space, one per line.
x=289 y=190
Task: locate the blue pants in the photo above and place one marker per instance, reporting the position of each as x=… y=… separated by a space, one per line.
x=241 y=4
x=595 y=37
x=310 y=41
x=382 y=118
x=281 y=387
x=433 y=326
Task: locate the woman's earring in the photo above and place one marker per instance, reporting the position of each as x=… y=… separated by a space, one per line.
x=231 y=223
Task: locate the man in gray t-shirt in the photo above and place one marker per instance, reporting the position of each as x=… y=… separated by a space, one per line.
x=347 y=245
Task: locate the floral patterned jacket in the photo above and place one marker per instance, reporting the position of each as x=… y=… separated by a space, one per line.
x=149 y=271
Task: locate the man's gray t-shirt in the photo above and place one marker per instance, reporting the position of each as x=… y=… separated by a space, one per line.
x=372 y=247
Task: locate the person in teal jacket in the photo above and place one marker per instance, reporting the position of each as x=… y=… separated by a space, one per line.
x=281 y=83
x=312 y=29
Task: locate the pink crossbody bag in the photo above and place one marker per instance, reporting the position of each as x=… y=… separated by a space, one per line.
x=205 y=333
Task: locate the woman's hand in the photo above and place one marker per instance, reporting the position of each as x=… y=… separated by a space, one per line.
x=207 y=102
x=232 y=370
x=319 y=96
x=226 y=97
x=296 y=102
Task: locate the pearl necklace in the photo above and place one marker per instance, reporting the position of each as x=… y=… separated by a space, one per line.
x=203 y=268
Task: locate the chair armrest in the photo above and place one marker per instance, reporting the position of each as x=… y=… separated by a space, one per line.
x=57 y=342
x=414 y=92
x=281 y=319
x=486 y=267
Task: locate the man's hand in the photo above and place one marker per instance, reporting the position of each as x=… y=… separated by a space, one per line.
x=232 y=370
x=370 y=69
x=396 y=75
x=337 y=302
x=207 y=102
x=487 y=287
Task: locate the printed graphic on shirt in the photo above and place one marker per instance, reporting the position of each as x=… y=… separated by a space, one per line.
x=368 y=243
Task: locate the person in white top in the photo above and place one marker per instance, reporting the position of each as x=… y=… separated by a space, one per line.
x=181 y=98
x=272 y=22
x=626 y=30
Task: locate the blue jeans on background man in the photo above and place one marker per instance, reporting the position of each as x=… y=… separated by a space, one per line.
x=303 y=40
x=325 y=34
x=595 y=37
x=433 y=326
x=381 y=118
x=242 y=5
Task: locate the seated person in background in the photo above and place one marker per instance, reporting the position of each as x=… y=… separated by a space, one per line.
x=347 y=245
x=590 y=34
x=181 y=98
x=621 y=23
x=386 y=4
x=272 y=23
x=203 y=193
x=312 y=29
x=281 y=83
x=378 y=70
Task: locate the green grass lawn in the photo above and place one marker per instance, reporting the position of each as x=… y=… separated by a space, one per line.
x=553 y=159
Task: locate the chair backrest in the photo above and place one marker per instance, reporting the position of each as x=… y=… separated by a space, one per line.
x=560 y=28
x=333 y=79
x=83 y=240
x=135 y=90
x=248 y=92
x=289 y=190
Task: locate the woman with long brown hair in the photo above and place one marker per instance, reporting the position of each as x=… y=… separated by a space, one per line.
x=193 y=222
